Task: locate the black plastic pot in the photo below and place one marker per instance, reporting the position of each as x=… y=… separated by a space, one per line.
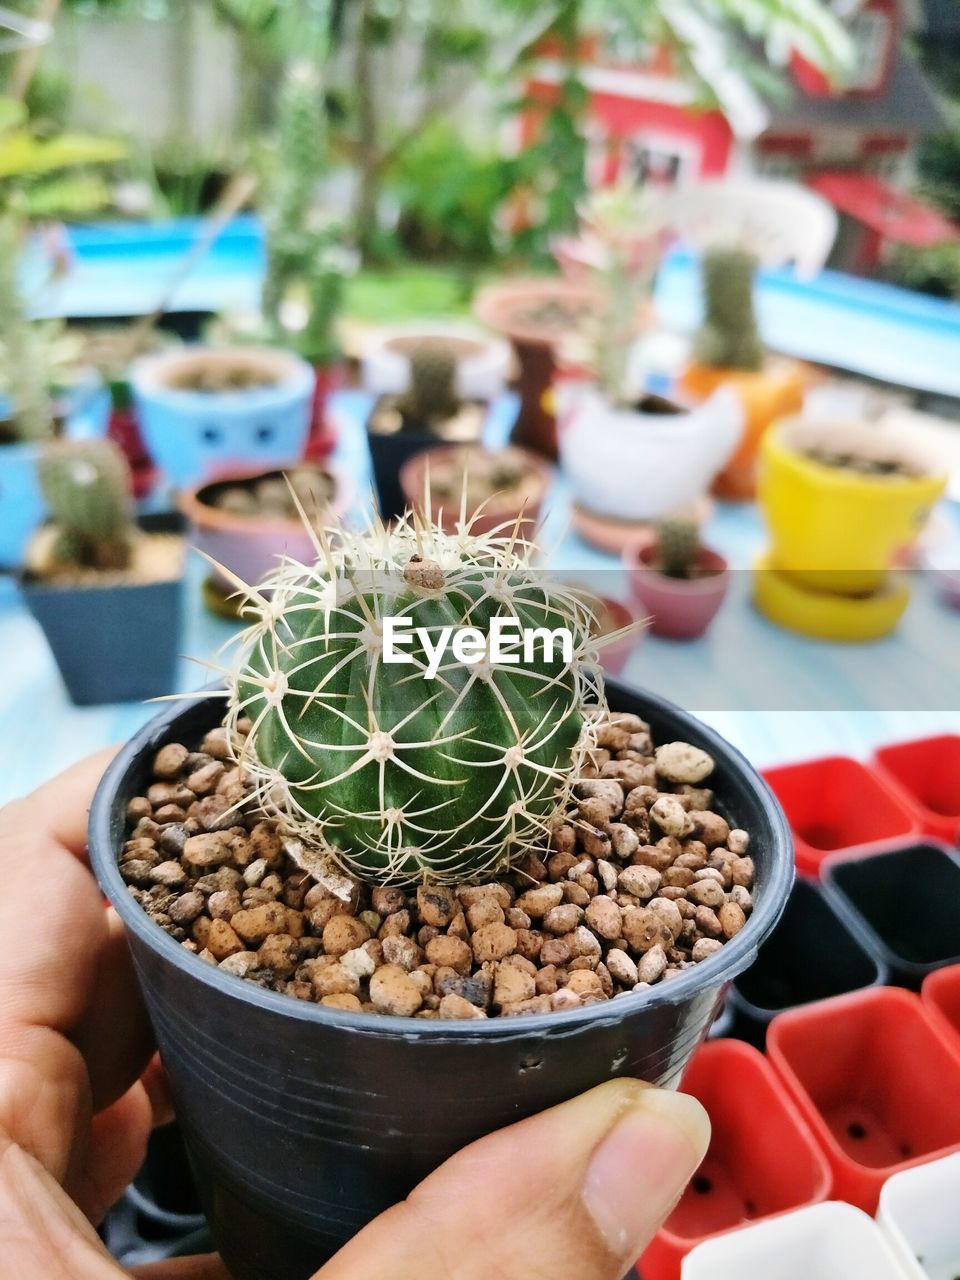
x=906 y=903
x=116 y=642
x=388 y=453
x=812 y=954
x=303 y=1122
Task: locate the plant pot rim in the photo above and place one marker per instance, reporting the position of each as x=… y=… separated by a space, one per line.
x=147 y=375
x=417 y=462
x=204 y=516
x=713 y=972
x=634 y=560
x=495 y=306
x=777 y=445
x=156 y=525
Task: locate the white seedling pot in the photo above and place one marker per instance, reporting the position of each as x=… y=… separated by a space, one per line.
x=919 y=1214
x=826 y=1242
x=626 y=465
x=482 y=369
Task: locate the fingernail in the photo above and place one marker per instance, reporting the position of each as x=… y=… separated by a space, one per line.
x=638 y=1171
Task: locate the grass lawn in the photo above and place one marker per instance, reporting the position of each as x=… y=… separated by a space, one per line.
x=387 y=295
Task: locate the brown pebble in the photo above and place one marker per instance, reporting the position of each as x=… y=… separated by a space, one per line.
x=224 y=904
x=451 y=952
x=706 y=893
x=731 y=918
x=682 y=762
x=511 y=985
x=454 y=1006
x=169 y=760
x=437 y=905
x=281 y=953
x=486 y=911
x=622 y=967
x=203 y=852
x=222 y=940
x=402 y=952
x=644 y=929
x=537 y=902
x=392 y=991
x=562 y=919
x=186 y=908
x=342 y=933
x=343 y=1000
x=705 y=948
x=254 y=925
x=604 y=917
x=584 y=982
x=495 y=942
x=652 y=965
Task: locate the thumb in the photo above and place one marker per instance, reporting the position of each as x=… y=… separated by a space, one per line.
x=575 y=1193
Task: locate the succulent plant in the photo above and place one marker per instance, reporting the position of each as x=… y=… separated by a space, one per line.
x=431 y=397
x=678 y=545
x=23 y=366
x=729 y=337
x=379 y=770
x=86 y=485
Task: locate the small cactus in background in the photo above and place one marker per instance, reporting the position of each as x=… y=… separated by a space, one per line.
x=23 y=364
x=729 y=337
x=431 y=398
x=87 y=488
x=379 y=770
x=678 y=546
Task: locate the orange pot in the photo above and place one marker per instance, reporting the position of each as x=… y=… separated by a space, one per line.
x=771 y=393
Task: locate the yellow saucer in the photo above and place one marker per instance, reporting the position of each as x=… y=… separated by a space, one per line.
x=826 y=616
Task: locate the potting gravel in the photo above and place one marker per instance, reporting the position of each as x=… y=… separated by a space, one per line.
x=641 y=880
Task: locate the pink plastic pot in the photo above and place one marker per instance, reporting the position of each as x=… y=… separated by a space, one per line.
x=250 y=546
x=614 y=657
x=925 y=774
x=838 y=803
x=877 y=1081
x=678 y=608
x=762 y=1159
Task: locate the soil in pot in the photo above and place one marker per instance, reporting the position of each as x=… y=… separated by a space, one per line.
x=880 y=466
x=273 y=495
x=221 y=372
x=640 y=882
x=495 y=488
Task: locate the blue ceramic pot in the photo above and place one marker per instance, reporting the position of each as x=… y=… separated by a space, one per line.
x=194 y=436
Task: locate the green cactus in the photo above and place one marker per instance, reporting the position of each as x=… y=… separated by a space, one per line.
x=23 y=364
x=431 y=398
x=380 y=770
x=678 y=545
x=729 y=337
x=86 y=486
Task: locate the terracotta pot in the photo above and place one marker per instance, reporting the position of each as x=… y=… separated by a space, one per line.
x=614 y=657
x=519 y=310
x=678 y=608
x=770 y=393
x=500 y=512
x=249 y=545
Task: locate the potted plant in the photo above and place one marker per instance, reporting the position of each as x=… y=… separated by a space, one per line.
x=729 y=352
x=372 y=853
x=308 y=260
x=244 y=523
x=632 y=457
x=204 y=409
x=537 y=316
x=428 y=412
x=678 y=582
x=492 y=490
x=105 y=589
x=840 y=501
x=482 y=362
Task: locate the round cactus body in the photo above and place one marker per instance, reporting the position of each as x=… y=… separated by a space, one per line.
x=390 y=773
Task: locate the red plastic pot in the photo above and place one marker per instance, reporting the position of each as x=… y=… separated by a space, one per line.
x=762 y=1159
x=941 y=999
x=678 y=608
x=838 y=803
x=877 y=1081
x=926 y=776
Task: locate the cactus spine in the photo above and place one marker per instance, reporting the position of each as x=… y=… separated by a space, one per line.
x=86 y=485
x=729 y=337
x=374 y=768
x=678 y=545
x=431 y=398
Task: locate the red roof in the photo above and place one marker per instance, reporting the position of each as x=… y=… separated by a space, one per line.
x=891 y=213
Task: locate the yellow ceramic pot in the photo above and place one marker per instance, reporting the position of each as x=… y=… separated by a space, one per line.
x=833 y=529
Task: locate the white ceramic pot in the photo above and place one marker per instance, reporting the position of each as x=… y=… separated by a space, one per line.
x=483 y=365
x=918 y=1213
x=624 y=464
x=826 y=1242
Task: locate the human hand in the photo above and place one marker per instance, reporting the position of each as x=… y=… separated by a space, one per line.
x=574 y=1192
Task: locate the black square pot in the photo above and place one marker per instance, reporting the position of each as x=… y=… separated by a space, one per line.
x=116 y=642
x=905 y=904
x=388 y=453
x=813 y=954
x=302 y=1123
